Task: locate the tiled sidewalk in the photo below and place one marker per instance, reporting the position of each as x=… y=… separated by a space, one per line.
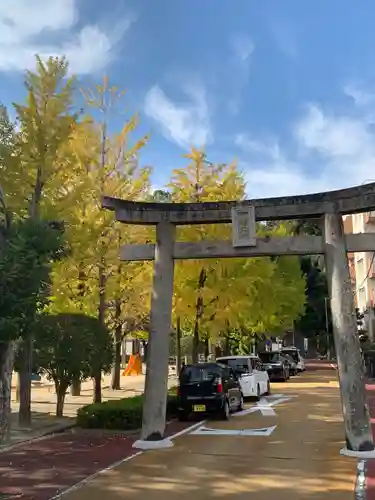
x=41 y=469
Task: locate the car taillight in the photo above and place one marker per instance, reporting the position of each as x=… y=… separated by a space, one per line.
x=219 y=386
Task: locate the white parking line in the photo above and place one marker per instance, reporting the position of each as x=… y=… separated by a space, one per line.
x=209 y=431
x=264 y=406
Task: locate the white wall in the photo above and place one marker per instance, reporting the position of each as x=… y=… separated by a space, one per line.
x=365 y=284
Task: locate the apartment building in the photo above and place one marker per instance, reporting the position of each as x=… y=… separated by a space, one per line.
x=362 y=265
x=348 y=229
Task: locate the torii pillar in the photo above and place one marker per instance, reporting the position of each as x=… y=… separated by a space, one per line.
x=156 y=385
x=358 y=433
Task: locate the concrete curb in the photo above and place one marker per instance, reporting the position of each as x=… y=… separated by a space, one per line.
x=48 y=433
x=63 y=428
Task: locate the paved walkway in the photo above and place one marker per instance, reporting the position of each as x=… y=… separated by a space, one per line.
x=297 y=457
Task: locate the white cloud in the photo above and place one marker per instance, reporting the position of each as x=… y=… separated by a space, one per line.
x=243 y=48
x=270 y=172
x=360 y=96
x=326 y=151
x=333 y=136
x=344 y=143
x=26 y=29
x=184 y=123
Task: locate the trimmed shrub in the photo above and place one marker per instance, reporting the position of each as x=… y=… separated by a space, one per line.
x=120 y=414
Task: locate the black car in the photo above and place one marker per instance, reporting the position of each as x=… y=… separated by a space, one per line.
x=208 y=388
x=277 y=366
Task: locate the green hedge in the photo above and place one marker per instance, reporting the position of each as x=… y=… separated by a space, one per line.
x=120 y=414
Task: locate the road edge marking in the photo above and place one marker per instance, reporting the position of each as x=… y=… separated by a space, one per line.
x=87 y=479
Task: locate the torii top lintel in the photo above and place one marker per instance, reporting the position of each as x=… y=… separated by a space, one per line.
x=344 y=201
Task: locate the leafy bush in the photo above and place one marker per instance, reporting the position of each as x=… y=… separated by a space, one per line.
x=120 y=414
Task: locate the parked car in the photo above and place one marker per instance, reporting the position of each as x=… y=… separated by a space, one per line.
x=253 y=376
x=276 y=364
x=296 y=355
x=209 y=388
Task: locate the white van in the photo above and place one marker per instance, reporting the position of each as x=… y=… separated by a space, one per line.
x=296 y=355
x=253 y=378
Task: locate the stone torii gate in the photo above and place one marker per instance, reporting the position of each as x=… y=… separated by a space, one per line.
x=329 y=207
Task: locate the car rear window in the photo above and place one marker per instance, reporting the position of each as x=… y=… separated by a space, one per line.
x=269 y=357
x=191 y=374
x=238 y=364
x=292 y=353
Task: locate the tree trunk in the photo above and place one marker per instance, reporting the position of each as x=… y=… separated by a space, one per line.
x=98 y=388
x=75 y=389
x=206 y=349
x=178 y=345
x=116 y=375
x=227 y=346
x=6 y=370
x=60 y=395
x=24 y=414
x=101 y=316
x=123 y=353
x=199 y=308
x=195 y=350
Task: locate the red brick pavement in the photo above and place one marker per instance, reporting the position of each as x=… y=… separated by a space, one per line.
x=41 y=469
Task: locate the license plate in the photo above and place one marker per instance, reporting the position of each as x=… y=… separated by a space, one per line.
x=199 y=408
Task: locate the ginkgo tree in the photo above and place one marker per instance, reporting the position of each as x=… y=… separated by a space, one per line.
x=45 y=122
x=213 y=297
x=196 y=300
x=92 y=280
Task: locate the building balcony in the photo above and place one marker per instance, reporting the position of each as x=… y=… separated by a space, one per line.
x=370 y=217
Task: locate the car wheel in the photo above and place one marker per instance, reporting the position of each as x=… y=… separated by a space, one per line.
x=241 y=406
x=182 y=416
x=225 y=412
x=268 y=392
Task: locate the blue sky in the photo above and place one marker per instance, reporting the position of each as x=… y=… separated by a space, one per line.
x=285 y=87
